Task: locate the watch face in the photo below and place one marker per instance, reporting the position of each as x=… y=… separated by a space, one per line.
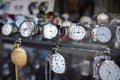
x=27 y=29
x=58 y=63
x=118 y=33
x=7 y=29
x=50 y=31
x=77 y=32
x=103 y=34
x=109 y=71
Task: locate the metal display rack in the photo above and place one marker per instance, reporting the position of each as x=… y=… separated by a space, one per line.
x=81 y=45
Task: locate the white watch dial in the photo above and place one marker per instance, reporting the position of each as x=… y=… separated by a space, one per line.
x=118 y=33
x=50 y=31
x=77 y=32
x=103 y=34
x=7 y=29
x=57 y=63
x=109 y=71
x=27 y=29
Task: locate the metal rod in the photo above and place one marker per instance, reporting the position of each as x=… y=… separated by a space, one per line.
x=17 y=72
x=46 y=71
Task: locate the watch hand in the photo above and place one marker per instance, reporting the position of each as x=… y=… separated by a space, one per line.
x=58 y=66
x=56 y=59
x=24 y=29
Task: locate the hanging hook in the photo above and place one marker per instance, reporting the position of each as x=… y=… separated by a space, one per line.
x=17 y=43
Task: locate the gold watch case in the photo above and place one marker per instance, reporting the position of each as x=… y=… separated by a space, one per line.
x=19 y=57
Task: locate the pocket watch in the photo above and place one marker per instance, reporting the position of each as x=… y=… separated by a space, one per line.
x=114 y=22
x=103 y=18
x=101 y=33
x=19 y=56
x=109 y=70
x=77 y=32
x=58 y=63
x=50 y=31
x=85 y=19
x=27 y=28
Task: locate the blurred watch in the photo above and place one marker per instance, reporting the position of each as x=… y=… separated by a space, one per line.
x=101 y=33
x=49 y=31
x=27 y=28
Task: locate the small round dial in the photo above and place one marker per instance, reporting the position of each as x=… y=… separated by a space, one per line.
x=50 y=31
x=7 y=29
x=27 y=29
x=103 y=34
x=109 y=71
x=118 y=33
x=57 y=63
x=77 y=32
